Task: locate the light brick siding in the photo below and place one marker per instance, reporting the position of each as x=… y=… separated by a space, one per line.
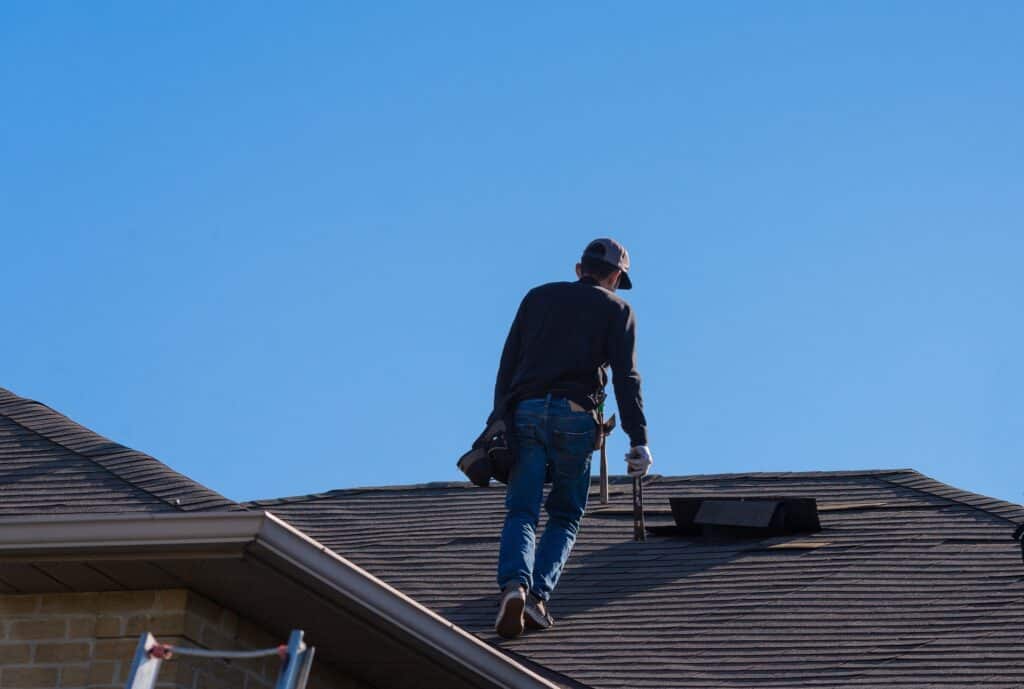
x=87 y=641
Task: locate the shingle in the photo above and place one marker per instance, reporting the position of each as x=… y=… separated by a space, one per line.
x=50 y=464
x=910 y=583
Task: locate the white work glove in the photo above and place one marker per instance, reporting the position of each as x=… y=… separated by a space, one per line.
x=639 y=460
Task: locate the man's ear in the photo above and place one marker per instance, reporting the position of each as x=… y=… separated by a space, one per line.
x=579 y=270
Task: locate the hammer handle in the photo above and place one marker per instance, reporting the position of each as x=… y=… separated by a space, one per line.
x=604 y=474
x=639 y=527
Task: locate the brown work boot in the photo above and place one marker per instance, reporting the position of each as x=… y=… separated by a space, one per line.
x=510 y=622
x=537 y=615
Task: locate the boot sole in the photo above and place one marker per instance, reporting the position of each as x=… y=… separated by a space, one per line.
x=510 y=622
x=535 y=625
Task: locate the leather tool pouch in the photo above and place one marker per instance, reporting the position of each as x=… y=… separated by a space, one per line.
x=492 y=455
x=476 y=465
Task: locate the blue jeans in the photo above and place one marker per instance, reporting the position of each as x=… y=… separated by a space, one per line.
x=550 y=435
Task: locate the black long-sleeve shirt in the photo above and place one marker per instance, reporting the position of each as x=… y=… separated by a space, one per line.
x=564 y=336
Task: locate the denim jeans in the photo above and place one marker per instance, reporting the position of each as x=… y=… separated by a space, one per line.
x=551 y=436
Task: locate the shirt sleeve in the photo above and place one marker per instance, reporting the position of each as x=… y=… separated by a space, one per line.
x=626 y=377
x=509 y=359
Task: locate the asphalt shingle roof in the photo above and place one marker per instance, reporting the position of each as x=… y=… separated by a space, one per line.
x=910 y=582
x=49 y=464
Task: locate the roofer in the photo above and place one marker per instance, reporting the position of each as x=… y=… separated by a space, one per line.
x=553 y=375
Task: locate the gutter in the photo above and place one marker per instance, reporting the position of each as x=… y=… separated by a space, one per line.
x=155 y=535
x=261 y=534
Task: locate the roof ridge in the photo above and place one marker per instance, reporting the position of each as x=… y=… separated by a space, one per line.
x=922 y=483
x=617 y=479
x=113 y=457
x=324 y=495
x=782 y=474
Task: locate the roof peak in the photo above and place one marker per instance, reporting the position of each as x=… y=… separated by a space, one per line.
x=136 y=469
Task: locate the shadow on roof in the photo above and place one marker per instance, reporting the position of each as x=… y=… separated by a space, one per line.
x=600 y=577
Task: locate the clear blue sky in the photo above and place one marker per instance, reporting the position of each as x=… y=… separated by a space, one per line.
x=279 y=247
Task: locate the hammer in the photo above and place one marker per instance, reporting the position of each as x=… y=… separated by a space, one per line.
x=639 y=530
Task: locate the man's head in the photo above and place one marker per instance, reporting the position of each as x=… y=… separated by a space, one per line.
x=607 y=262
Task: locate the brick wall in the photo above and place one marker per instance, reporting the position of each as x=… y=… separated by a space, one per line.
x=87 y=641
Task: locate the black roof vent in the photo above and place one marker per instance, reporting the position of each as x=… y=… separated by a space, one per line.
x=738 y=517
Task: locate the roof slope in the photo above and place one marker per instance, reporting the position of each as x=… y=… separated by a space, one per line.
x=910 y=582
x=49 y=464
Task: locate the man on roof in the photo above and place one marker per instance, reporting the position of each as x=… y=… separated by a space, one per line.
x=553 y=374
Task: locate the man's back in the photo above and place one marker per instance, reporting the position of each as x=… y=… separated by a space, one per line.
x=563 y=336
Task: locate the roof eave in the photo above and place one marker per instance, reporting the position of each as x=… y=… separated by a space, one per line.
x=169 y=536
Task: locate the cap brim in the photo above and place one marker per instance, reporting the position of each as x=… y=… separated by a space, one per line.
x=625 y=282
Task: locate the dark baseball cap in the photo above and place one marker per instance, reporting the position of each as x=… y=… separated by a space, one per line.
x=610 y=251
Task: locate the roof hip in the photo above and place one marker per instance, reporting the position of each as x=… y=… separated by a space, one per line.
x=137 y=469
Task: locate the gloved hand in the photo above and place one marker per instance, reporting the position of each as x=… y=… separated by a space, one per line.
x=639 y=460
